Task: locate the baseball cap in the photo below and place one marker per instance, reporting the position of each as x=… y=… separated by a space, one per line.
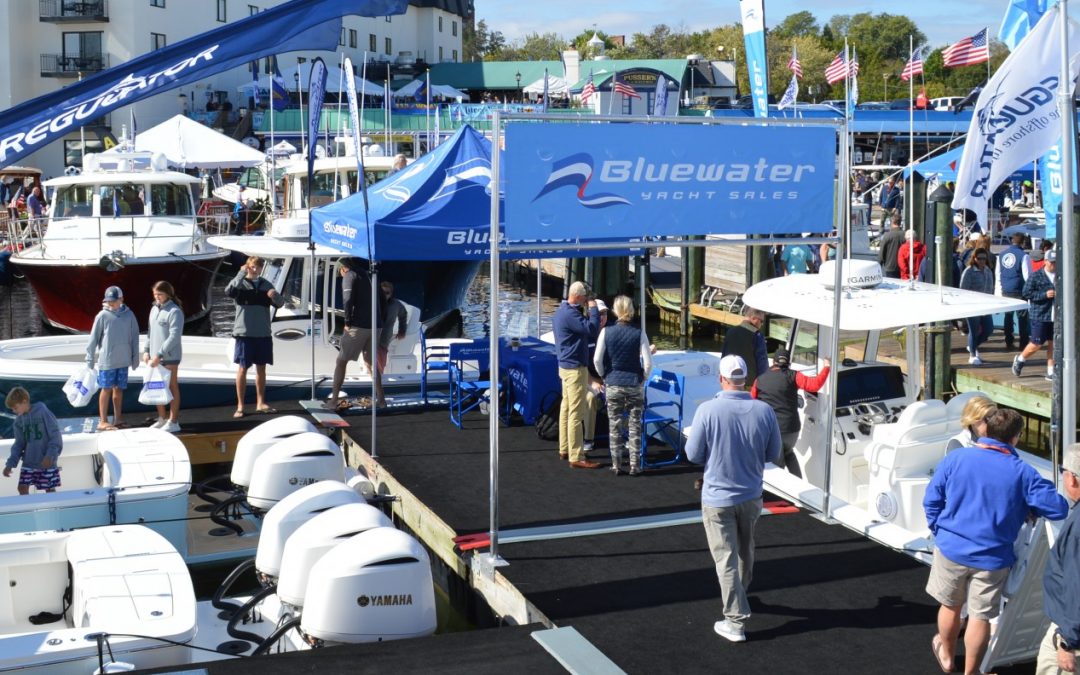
x=781 y=357
x=732 y=367
x=113 y=293
x=1051 y=256
x=974 y=235
x=601 y=306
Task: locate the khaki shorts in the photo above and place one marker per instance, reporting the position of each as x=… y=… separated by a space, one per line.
x=355 y=341
x=952 y=584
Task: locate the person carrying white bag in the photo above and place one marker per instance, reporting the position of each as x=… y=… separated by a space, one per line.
x=116 y=333
x=163 y=351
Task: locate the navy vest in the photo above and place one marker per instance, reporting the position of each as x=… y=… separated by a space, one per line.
x=1011 y=271
x=777 y=387
x=622 y=355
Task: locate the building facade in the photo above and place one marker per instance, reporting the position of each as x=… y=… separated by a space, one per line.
x=48 y=44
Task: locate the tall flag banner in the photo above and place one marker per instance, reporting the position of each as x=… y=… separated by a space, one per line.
x=914 y=66
x=545 y=89
x=588 y=91
x=621 y=87
x=290 y=26
x=753 y=23
x=421 y=92
x=791 y=94
x=660 y=98
x=837 y=70
x=853 y=91
x=354 y=124
x=316 y=95
x=1003 y=135
x=438 y=131
x=968 y=52
x=255 y=82
x=279 y=95
x=1020 y=17
x=793 y=64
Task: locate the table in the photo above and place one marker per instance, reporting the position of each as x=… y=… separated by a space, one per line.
x=532 y=371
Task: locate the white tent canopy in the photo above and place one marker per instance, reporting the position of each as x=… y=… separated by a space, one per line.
x=187 y=144
x=333 y=80
x=443 y=90
x=556 y=85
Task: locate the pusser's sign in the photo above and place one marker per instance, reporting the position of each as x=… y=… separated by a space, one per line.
x=639 y=78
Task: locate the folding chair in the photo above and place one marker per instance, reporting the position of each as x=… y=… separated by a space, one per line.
x=432 y=359
x=467 y=358
x=663 y=415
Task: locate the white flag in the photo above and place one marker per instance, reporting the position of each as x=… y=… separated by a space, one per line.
x=791 y=94
x=1016 y=118
x=354 y=115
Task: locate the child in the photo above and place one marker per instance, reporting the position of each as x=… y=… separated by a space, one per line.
x=37 y=443
x=116 y=332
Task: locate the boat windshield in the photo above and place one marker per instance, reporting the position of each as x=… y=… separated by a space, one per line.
x=73 y=201
x=168 y=199
x=869 y=384
x=125 y=199
x=323 y=192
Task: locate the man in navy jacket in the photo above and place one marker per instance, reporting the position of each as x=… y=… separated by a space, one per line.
x=573 y=333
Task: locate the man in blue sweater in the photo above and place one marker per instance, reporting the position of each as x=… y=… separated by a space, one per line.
x=733 y=435
x=975 y=505
x=573 y=333
x=1061 y=581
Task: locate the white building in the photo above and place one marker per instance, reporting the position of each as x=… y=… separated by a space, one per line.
x=46 y=44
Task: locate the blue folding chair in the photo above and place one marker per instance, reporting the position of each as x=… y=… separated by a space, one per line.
x=663 y=416
x=467 y=358
x=432 y=359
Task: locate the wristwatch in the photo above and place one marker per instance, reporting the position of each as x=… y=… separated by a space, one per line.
x=1060 y=643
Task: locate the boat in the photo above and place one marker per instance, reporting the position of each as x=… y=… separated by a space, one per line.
x=124 y=221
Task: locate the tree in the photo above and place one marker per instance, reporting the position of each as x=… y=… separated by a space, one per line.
x=799 y=24
x=535 y=47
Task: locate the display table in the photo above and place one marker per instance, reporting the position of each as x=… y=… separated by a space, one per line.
x=532 y=371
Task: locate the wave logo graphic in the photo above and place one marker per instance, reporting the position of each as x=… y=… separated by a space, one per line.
x=577 y=171
x=471 y=173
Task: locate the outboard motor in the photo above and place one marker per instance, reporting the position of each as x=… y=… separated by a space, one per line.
x=313 y=539
x=260 y=439
x=291 y=464
x=375 y=586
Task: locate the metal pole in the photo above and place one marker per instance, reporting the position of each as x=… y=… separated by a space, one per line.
x=493 y=343
x=373 y=280
x=1067 y=246
x=539 y=283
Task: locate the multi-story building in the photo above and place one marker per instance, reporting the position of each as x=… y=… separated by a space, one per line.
x=48 y=44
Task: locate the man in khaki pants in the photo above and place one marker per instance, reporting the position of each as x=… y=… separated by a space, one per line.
x=573 y=333
x=1061 y=581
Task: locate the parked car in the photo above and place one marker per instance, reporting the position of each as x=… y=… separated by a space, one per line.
x=900 y=104
x=873 y=105
x=945 y=102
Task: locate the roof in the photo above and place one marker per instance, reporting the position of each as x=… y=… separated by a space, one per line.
x=492 y=74
x=604 y=69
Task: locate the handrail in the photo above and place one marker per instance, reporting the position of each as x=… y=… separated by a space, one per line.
x=118 y=237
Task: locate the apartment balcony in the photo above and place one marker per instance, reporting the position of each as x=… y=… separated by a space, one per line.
x=70 y=65
x=63 y=11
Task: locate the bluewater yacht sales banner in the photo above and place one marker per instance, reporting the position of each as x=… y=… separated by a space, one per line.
x=625 y=181
x=757 y=65
x=299 y=24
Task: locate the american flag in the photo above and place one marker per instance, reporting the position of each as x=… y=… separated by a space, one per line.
x=794 y=65
x=914 y=66
x=623 y=88
x=588 y=91
x=837 y=70
x=968 y=52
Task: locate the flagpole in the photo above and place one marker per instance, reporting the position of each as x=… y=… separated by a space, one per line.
x=908 y=201
x=988 y=54
x=273 y=153
x=1066 y=248
x=300 y=95
x=427 y=110
x=845 y=222
x=611 y=101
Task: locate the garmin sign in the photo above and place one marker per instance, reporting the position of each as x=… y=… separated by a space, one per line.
x=633 y=180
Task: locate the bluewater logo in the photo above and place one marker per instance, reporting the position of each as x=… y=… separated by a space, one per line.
x=577 y=171
x=472 y=173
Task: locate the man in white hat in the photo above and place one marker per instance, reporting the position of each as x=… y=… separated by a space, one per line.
x=733 y=435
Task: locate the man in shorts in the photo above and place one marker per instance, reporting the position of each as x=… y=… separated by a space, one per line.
x=1039 y=292
x=975 y=505
x=253 y=295
x=113 y=348
x=358 y=337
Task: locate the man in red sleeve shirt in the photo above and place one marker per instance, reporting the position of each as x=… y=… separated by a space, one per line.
x=779 y=387
x=910 y=262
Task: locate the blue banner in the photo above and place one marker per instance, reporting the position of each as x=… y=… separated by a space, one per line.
x=625 y=181
x=1050 y=179
x=316 y=96
x=295 y=25
x=757 y=66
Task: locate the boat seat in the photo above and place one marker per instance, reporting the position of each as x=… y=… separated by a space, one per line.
x=920 y=420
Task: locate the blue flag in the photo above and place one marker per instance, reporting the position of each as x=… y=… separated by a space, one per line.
x=1020 y=17
x=316 y=95
x=660 y=99
x=421 y=92
x=279 y=95
x=291 y=26
x=545 y=90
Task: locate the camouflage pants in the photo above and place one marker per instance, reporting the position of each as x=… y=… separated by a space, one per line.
x=624 y=406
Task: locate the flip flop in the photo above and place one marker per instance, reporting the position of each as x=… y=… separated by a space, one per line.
x=343 y=405
x=265 y=411
x=936 y=645
x=105 y=426
x=238 y=413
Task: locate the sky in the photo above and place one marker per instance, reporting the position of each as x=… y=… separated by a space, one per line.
x=942 y=22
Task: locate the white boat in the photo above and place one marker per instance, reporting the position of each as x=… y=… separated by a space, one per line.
x=125 y=221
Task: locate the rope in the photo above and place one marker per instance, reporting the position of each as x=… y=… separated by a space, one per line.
x=106 y=636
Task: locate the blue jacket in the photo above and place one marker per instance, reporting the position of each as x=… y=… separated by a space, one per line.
x=1042 y=307
x=733 y=435
x=573 y=333
x=1061 y=580
x=978 y=500
x=37 y=436
x=889 y=197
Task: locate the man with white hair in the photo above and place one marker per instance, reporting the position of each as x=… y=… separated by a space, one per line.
x=733 y=435
x=1061 y=581
x=573 y=333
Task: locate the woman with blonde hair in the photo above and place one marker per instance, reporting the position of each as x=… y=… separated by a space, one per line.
x=973 y=419
x=623 y=359
x=163 y=348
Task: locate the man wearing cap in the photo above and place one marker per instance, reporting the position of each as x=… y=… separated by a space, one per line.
x=116 y=333
x=1014 y=268
x=1039 y=292
x=1061 y=581
x=573 y=333
x=733 y=436
x=779 y=387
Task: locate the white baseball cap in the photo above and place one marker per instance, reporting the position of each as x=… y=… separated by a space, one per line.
x=601 y=306
x=732 y=367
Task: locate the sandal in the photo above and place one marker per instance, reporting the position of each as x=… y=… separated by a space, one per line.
x=238 y=414
x=343 y=405
x=937 y=645
x=105 y=426
x=265 y=411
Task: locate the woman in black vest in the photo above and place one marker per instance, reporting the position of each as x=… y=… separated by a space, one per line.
x=622 y=359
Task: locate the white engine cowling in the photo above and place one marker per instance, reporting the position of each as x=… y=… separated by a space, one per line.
x=292 y=463
x=375 y=586
x=314 y=538
x=258 y=440
x=292 y=512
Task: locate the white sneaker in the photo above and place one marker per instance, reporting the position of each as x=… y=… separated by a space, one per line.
x=975 y=361
x=729 y=632
x=171 y=427
x=161 y=422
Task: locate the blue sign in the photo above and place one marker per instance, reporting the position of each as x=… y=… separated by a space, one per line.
x=626 y=181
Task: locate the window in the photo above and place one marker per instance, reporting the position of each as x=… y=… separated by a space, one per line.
x=157 y=3
x=454 y=52
x=440 y=54
x=170 y=200
x=626 y=105
x=453 y=28
x=73 y=201
x=341 y=40
x=122 y=200
x=352 y=38
x=388 y=19
x=83 y=46
x=252 y=10
x=389 y=46
x=221 y=11
x=157 y=41
x=440 y=24
x=373 y=44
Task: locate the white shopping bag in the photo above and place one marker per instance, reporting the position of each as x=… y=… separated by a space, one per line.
x=81 y=386
x=155 y=389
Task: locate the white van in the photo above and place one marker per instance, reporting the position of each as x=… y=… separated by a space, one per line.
x=945 y=103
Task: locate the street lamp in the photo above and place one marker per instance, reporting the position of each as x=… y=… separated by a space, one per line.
x=517 y=76
x=885 y=77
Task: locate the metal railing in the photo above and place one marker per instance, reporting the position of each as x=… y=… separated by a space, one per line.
x=58 y=65
x=73 y=10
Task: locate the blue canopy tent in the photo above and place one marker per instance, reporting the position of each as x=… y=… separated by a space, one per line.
x=944 y=167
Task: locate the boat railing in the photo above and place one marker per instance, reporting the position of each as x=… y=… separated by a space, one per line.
x=116 y=238
x=20 y=233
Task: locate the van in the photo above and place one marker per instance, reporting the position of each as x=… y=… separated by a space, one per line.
x=945 y=103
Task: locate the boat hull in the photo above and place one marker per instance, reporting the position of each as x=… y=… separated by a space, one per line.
x=70 y=294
